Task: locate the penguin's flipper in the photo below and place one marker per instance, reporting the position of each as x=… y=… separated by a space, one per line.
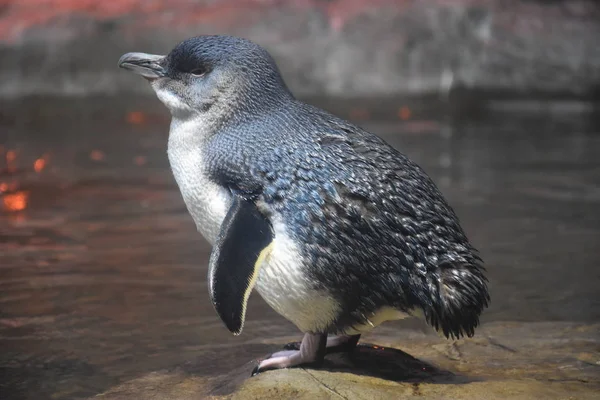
x=242 y=245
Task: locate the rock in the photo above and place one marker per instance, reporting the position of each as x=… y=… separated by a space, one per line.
x=306 y=384
x=341 y=48
x=504 y=360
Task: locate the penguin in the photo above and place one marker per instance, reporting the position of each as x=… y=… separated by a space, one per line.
x=335 y=229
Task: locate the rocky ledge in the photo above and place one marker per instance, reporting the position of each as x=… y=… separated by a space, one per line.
x=504 y=361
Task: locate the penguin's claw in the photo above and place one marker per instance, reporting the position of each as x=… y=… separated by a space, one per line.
x=286 y=359
x=310 y=354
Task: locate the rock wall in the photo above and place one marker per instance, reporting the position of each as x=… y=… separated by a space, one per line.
x=324 y=47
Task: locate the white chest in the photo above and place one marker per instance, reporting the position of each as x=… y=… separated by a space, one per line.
x=206 y=202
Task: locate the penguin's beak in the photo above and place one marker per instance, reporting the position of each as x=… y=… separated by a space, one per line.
x=150 y=66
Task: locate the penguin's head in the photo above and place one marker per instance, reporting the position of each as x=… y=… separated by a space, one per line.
x=211 y=74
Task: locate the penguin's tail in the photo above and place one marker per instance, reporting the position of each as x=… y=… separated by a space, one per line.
x=457 y=294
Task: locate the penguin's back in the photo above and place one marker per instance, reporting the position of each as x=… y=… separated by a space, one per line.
x=370 y=228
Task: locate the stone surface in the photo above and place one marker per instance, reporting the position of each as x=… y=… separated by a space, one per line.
x=333 y=47
x=503 y=361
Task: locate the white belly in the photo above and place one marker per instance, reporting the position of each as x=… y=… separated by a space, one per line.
x=283 y=284
x=206 y=202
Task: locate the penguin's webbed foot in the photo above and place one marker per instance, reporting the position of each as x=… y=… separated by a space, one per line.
x=310 y=354
x=335 y=344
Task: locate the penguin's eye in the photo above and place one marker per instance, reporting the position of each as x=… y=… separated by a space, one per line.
x=198 y=72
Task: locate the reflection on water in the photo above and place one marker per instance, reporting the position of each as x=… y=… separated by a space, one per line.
x=103 y=276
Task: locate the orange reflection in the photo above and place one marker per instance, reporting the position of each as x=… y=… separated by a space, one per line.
x=3 y=187
x=139 y=160
x=136 y=117
x=97 y=155
x=11 y=156
x=39 y=165
x=404 y=113
x=15 y=201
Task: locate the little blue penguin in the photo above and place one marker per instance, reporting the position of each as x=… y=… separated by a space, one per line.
x=336 y=230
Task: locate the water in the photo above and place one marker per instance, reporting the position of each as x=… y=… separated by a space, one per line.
x=103 y=276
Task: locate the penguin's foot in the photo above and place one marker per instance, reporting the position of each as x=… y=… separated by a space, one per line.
x=335 y=344
x=310 y=354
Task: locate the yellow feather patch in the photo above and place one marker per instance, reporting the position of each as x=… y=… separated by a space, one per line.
x=262 y=257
